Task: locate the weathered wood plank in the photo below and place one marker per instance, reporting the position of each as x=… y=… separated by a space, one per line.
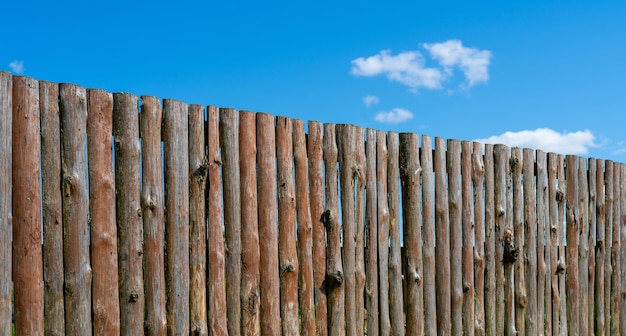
x=6 y=97
x=622 y=206
x=572 y=216
x=530 y=241
x=52 y=208
x=502 y=230
x=490 y=246
x=554 y=219
x=591 y=208
x=608 y=267
x=152 y=205
x=478 y=183
x=176 y=159
x=615 y=251
x=562 y=188
x=217 y=318
x=105 y=291
x=468 y=234
x=456 y=229
x=428 y=230
x=305 y=239
x=77 y=268
x=521 y=299
x=27 y=250
x=383 y=232
x=600 y=327
x=359 y=267
x=197 y=222
x=371 y=290
x=583 y=247
x=334 y=267
x=442 y=236
x=396 y=312
x=411 y=173
x=542 y=220
x=250 y=258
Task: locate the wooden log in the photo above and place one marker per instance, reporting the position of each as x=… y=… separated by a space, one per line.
x=334 y=268
x=562 y=188
x=359 y=267
x=456 y=228
x=217 y=318
x=396 y=312
x=608 y=267
x=554 y=219
x=383 y=232
x=52 y=208
x=305 y=239
x=316 y=190
x=250 y=291
x=27 y=280
x=490 y=243
x=229 y=144
x=572 y=216
x=597 y=180
x=428 y=230
x=152 y=205
x=521 y=299
x=287 y=253
x=591 y=209
x=197 y=222
x=583 y=247
x=548 y=257
x=468 y=234
x=503 y=285
x=77 y=268
x=442 y=247
x=622 y=206
x=128 y=212
x=6 y=97
x=176 y=149
x=411 y=173
x=542 y=219
x=530 y=241
x=105 y=292
x=478 y=184
x=615 y=251
x=371 y=290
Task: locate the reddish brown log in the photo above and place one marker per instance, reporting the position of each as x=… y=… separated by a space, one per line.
x=383 y=232
x=490 y=246
x=371 y=290
x=554 y=241
x=500 y=200
x=316 y=190
x=411 y=172
x=6 y=97
x=52 y=209
x=305 y=239
x=106 y=304
x=77 y=269
x=542 y=220
x=468 y=234
x=217 y=320
x=562 y=186
x=176 y=162
x=197 y=222
x=478 y=182
x=591 y=208
x=359 y=267
x=600 y=323
x=453 y=163
x=622 y=206
x=428 y=229
x=442 y=247
x=583 y=247
x=334 y=268
x=250 y=294
x=521 y=299
x=572 y=216
x=153 y=217
x=530 y=243
x=27 y=251
x=615 y=251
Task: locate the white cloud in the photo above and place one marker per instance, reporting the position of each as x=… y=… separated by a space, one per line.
x=473 y=62
x=17 y=67
x=547 y=140
x=395 y=116
x=370 y=100
x=406 y=68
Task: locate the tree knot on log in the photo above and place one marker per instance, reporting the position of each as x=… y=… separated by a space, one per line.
x=133 y=296
x=333 y=280
x=466 y=287
x=513 y=162
x=289 y=268
x=510 y=250
x=560 y=196
x=560 y=267
x=325 y=218
x=201 y=171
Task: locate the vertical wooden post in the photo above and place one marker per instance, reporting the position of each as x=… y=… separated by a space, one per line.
x=77 y=269
x=250 y=292
x=217 y=320
x=106 y=304
x=52 y=208
x=562 y=188
x=478 y=182
x=176 y=159
x=521 y=299
x=411 y=173
x=583 y=247
x=383 y=232
x=490 y=246
x=608 y=267
x=600 y=327
x=442 y=247
x=268 y=230
x=504 y=287
x=456 y=229
x=6 y=97
x=530 y=244
x=316 y=190
x=622 y=206
x=591 y=208
x=396 y=312
x=468 y=234
x=554 y=219
x=615 y=251
x=305 y=239
x=428 y=229
x=543 y=323
x=27 y=251
x=572 y=215
x=153 y=221
x=360 y=180
x=334 y=267
x=371 y=290
x=197 y=222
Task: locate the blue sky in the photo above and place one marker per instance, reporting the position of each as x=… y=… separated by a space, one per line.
x=552 y=73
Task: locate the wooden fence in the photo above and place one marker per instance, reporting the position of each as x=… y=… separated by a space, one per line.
x=127 y=215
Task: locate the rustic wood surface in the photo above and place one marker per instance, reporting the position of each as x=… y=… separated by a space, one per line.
x=371 y=268
x=396 y=312
x=428 y=229
x=6 y=98
x=453 y=162
x=490 y=246
x=442 y=236
x=383 y=232
x=478 y=183
x=468 y=234
x=521 y=299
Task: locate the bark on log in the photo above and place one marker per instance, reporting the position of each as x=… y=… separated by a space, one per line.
x=396 y=312
x=468 y=234
x=383 y=232
x=371 y=290
x=6 y=97
x=428 y=229
x=478 y=182
x=442 y=247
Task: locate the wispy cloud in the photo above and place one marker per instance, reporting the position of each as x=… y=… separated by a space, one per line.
x=395 y=116
x=473 y=62
x=17 y=67
x=547 y=140
x=370 y=100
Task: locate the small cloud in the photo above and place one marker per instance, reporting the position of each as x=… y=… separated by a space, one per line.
x=17 y=67
x=473 y=62
x=395 y=116
x=370 y=100
x=547 y=140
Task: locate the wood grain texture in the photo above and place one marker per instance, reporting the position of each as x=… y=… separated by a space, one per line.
x=359 y=268
x=6 y=105
x=371 y=269
x=453 y=164
x=382 y=167
x=428 y=229
x=478 y=184
x=468 y=234
x=490 y=246
x=521 y=298
x=572 y=217
x=600 y=322
x=442 y=247
x=530 y=242
x=396 y=297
